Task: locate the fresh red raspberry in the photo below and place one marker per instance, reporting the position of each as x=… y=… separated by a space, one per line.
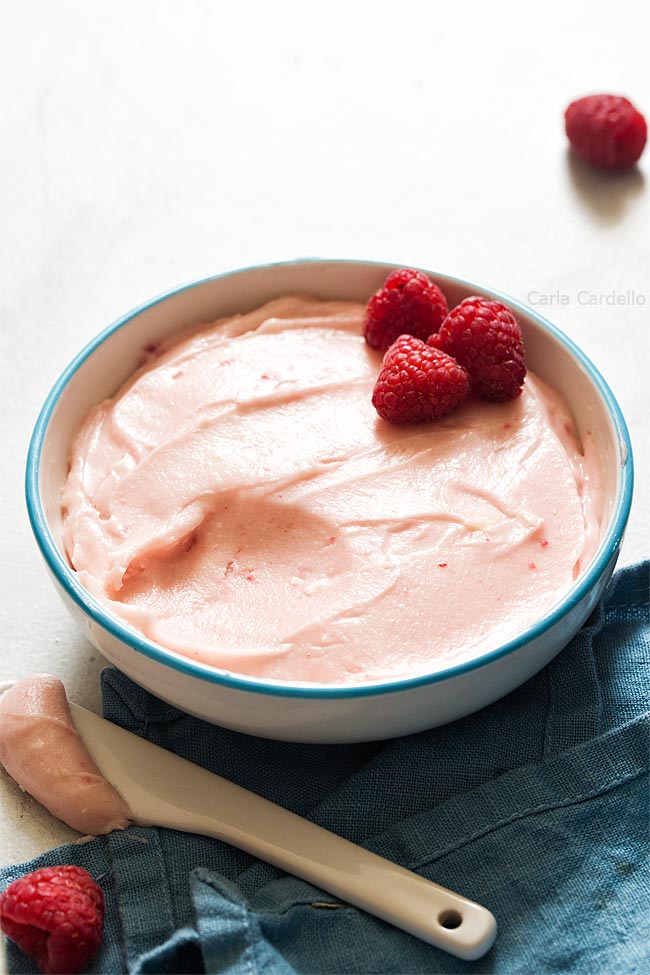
x=417 y=383
x=606 y=130
x=484 y=337
x=56 y=916
x=408 y=304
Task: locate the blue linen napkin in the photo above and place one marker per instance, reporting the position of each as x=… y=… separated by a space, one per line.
x=536 y=807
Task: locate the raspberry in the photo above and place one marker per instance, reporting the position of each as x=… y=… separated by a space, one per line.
x=484 y=337
x=55 y=915
x=417 y=383
x=408 y=304
x=606 y=130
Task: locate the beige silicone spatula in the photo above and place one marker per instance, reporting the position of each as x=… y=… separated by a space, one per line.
x=162 y=789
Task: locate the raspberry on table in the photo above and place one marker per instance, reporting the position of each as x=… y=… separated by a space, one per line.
x=55 y=915
x=408 y=304
x=606 y=131
x=484 y=337
x=418 y=383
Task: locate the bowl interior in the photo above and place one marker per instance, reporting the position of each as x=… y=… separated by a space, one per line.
x=110 y=359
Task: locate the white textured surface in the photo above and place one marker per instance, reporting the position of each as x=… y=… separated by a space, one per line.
x=149 y=144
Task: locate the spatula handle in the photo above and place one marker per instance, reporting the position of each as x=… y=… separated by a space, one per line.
x=432 y=913
x=162 y=789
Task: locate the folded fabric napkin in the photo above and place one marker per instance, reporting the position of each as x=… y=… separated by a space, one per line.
x=536 y=807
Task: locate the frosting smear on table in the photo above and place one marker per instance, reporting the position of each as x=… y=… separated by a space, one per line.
x=240 y=502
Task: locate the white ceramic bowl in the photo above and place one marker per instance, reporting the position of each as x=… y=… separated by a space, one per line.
x=300 y=712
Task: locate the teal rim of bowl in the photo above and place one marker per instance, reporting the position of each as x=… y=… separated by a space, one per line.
x=64 y=574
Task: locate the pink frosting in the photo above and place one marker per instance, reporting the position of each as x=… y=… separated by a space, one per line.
x=240 y=502
x=42 y=750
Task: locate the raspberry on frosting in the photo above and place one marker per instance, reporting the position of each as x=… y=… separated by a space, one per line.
x=407 y=304
x=55 y=915
x=417 y=382
x=484 y=337
x=606 y=131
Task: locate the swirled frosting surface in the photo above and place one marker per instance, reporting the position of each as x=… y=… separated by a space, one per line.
x=240 y=502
